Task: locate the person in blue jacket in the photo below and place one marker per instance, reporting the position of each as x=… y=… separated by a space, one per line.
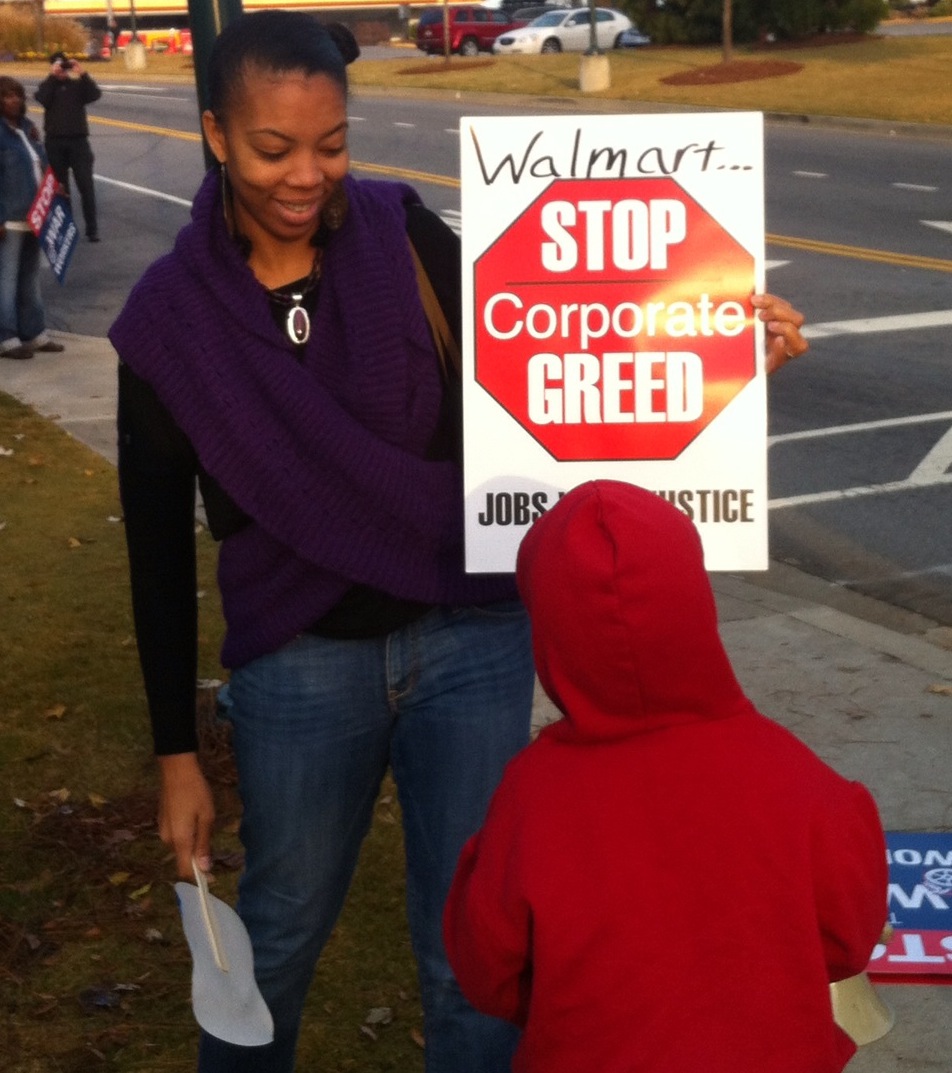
x=22 y=163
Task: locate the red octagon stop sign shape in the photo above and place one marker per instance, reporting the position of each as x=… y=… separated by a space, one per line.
x=613 y=319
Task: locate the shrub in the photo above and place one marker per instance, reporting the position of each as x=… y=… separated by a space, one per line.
x=18 y=34
x=699 y=21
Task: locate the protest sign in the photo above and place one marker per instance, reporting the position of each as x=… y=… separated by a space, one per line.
x=608 y=264
x=51 y=220
x=920 y=910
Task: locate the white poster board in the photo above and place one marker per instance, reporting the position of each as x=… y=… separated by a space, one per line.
x=608 y=263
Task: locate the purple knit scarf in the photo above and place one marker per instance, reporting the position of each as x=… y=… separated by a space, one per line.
x=325 y=453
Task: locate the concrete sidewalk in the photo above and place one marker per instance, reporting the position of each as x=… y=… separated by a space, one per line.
x=854 y=678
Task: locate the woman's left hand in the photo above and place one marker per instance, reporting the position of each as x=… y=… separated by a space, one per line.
x=784 y=341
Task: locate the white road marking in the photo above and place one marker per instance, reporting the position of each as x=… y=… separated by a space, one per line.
x=856 y=492
x=861 y=426
x=941 y=225
x=936 y=463
x=906 y=322
x=147 y=96
x=186 y=202
x=915 y=186
x=452 y=219
x=408 y=126
x=811 y=174
x=933 y=470
x=131 y=87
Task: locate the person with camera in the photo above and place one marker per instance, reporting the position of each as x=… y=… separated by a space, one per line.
x=64 y=94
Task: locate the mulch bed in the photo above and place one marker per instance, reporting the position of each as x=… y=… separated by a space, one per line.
x=437 y=67
x=736 y=71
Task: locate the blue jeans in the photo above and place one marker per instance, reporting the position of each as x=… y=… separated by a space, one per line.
x=446 y=702
x=21 y=307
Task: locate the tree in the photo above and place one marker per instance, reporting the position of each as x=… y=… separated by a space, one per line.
x=727 y=31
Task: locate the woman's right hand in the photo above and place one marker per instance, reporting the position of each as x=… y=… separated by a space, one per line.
x=186 y=812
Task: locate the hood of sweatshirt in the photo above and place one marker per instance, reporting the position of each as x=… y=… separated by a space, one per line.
x=624 y=624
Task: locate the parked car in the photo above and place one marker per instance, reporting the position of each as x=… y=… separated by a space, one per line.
x=525 y=15
x=472 y=29
x=515 y=7
x=632 y=38
x=564 y=31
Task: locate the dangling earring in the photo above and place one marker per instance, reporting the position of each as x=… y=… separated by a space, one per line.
x=226 y=198
x=335 y=209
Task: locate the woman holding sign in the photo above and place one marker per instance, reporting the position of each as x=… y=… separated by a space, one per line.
x=289 y=365
x=22 y=163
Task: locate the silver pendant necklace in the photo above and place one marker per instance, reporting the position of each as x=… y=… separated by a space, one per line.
x=297 y=321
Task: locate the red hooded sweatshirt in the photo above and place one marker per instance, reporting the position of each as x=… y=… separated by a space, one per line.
x=667 y=881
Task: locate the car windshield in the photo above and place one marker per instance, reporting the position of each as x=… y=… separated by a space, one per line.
x=551 y=18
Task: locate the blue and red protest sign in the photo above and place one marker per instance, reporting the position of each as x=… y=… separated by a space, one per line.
x=920 y=910
x=51 y=220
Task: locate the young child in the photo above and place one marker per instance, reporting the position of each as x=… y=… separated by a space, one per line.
x=667 y=881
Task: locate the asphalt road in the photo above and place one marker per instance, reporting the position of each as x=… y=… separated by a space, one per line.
x=860 y=238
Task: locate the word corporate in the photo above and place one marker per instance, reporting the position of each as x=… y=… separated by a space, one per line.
x=543 y=157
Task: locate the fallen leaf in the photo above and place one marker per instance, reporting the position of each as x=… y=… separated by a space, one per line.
x=34 y=461
x=56 y=711
x=140 y=892
x=97 y=800
x=368 y=1031
x=93 y=933
x=6 y=452
x=379 y=1015
x=118 y=878
x=74 y=543
x=942 y=689
x=417 y=1036
x=61 y=795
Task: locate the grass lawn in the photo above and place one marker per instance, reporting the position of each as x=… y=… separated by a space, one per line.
x=904 y=79
x=94 y=972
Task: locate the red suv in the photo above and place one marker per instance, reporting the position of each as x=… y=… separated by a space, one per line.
x=472 y=29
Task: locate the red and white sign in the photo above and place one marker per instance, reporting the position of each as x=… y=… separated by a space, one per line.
x=608 y=332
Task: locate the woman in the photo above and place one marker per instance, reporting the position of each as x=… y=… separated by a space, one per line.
x=22 y=163
x=289 y=365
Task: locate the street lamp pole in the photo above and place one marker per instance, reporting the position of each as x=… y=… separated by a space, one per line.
x=592 y=35
x=40 y=27
x=207 y=19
